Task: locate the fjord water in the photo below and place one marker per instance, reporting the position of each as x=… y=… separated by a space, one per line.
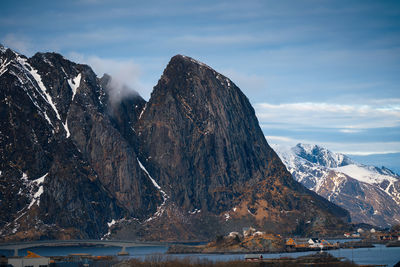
x=379 y=255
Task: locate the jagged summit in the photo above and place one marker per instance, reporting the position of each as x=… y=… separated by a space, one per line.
x=321 y=155
x=188 y=59
x=186 y=68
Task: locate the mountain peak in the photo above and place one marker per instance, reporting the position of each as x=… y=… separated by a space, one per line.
x=185 y=75
x=185 y=65
x=321 y=155
x=187 y=59
x=368 y=192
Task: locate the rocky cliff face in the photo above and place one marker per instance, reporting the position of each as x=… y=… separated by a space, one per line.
x=199 y=136
x=189 y=164
x=370 y=194
x=200 y=140
x=66 y=167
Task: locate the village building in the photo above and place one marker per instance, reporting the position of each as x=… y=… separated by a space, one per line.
x=31 y=260
x=290 y=242
x=234 y=234
x=253 y=257
x=248 y=231
x=355 y=234
x=313 y=242
x=259 y=233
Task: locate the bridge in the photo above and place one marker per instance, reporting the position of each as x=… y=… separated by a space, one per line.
x=50 y=243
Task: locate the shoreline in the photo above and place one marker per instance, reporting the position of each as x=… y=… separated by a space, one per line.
x=203 y=249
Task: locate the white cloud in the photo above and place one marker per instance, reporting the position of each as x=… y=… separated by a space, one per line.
x=21 y=44
x=332 y=119
x=125 y=73
x=349 y=131
x=345 y=118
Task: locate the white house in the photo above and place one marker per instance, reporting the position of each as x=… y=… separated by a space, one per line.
x=313 y=242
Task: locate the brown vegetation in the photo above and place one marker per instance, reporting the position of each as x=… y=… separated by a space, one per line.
x=316 y=260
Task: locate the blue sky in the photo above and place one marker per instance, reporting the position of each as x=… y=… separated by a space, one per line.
x=324 y=72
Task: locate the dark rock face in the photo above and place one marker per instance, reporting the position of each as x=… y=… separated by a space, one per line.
x=55 y=123
x=189 y=164
x=200 y=136
x=200 y=139
x=97 y=134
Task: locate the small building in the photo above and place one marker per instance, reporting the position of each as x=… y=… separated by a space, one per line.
x=248 y=231
x=302 y=243
x=325 y=243
x=313 y=242
x=259 y=233
x=234 y=234
x=290 y=242
x=31 y=260
x=347 y=234
x=360 y=230
x=355 y=234
x=372 y=230
x=253 y=257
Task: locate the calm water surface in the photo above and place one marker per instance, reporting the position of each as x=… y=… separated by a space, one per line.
x=377 y=255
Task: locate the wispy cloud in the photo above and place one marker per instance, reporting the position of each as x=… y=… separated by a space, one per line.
x=345 y=118
x=125 y=73
x=19 y=43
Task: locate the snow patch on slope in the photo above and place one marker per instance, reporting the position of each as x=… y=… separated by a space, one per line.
x=36 y=197
x=141 y=113
x=34 y=73
x=66 y=128
x=161 y=208
x=74 y=84
x=364 y=174
x=39 y=82
x=3 y=67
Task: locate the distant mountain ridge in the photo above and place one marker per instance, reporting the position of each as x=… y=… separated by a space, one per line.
x=190 y=163
x=371 y=194
x=390 y=160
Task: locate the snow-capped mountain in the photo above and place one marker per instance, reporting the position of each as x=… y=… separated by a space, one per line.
x=369 y=193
